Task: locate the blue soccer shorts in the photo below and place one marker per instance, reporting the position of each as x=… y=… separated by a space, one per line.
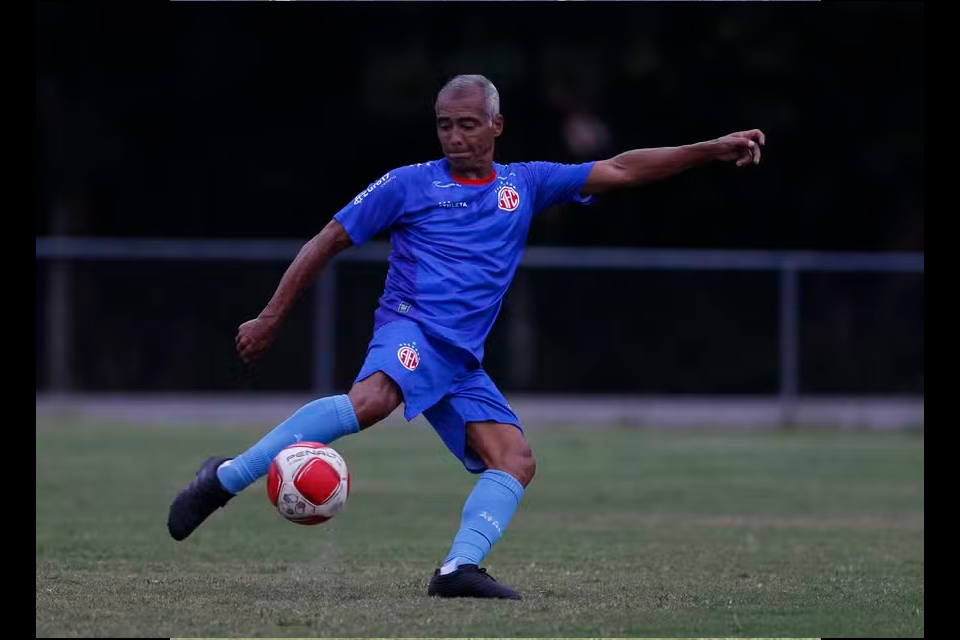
x=441 y=381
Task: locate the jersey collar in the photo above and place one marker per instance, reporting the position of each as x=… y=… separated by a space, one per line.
x=470 y=181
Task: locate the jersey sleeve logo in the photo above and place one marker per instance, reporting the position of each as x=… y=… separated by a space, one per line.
x=507 y=198
x=387 y=177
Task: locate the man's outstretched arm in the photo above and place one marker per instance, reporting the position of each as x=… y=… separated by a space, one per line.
x=640 y=166
x=255 y=336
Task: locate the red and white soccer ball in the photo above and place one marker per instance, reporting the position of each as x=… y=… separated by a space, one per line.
x=308 y=483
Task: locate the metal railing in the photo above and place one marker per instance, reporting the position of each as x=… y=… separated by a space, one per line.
x=789 y=265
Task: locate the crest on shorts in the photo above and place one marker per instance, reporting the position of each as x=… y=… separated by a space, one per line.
x=408 y=355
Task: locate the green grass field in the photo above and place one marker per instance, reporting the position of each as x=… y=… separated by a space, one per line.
x=622 y=533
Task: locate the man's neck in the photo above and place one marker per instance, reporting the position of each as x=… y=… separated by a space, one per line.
x=481 y=173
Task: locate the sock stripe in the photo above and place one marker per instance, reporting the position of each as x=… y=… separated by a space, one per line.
x=506 y=480
x=346 y=414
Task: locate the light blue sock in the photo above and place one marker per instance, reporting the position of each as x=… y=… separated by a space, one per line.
x=485 y=517
x=322 y=420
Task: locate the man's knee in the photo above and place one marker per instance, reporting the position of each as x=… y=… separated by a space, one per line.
x=502 y=447
x=522 y=465
x=518 y=461
x=374 y=399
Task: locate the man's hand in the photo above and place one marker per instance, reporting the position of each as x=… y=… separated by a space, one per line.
x=254 y=338
x=742 y=147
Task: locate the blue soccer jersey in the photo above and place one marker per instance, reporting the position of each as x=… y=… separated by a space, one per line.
x=456 y=243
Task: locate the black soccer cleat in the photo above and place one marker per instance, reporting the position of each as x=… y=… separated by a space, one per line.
x=203 y=496
x=468 y=581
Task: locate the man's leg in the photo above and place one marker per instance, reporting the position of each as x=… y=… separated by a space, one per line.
x=324 y=420
x=499 y=450
x=488 y=510
x=497 y=494
x=219 y=479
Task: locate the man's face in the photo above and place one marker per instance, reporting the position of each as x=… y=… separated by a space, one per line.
x=465 y=131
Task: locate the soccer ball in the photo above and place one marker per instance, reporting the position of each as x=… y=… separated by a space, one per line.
x=308 y=483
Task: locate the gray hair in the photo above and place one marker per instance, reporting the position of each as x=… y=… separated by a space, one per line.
x=491 y=97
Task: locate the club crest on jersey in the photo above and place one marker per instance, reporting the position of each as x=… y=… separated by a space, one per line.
x=409 y=356
x=507 y=198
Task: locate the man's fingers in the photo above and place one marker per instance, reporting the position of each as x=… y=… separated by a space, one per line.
x=247 y=350
x=249 y=356
x=752 y=134
x=746 y=146
x=748 y=152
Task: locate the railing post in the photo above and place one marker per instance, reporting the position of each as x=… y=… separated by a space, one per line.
x=59 y=316
x=324 y=331
x=789 y=341
x=59 y=324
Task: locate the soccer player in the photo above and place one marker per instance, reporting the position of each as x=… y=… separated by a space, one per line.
x=458 y=229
